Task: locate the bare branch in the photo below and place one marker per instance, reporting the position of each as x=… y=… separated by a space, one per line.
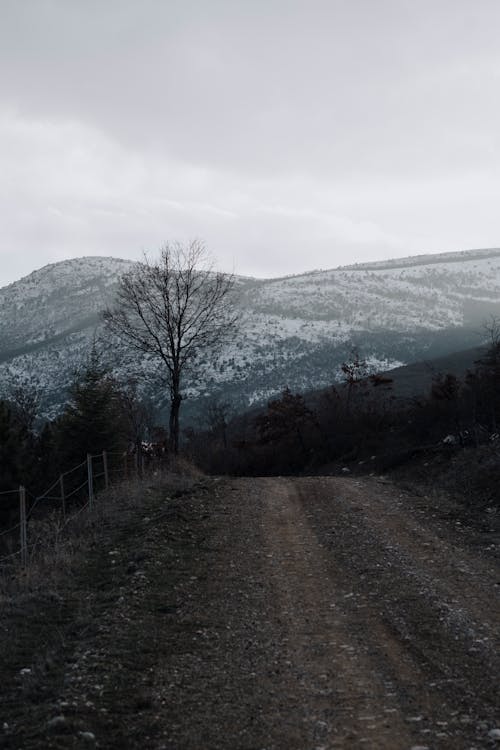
x=176 y=309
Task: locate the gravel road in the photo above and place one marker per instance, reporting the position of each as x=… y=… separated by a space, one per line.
x=276 y=614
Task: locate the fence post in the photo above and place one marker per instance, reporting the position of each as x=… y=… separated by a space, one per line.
x=22 y=517
x=63 y=496
x=90 y=480
x=136 y=462
x=105 y=464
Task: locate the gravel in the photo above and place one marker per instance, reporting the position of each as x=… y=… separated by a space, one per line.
x=266 y=614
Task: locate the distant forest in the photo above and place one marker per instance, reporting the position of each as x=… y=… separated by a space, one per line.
x=450 y=433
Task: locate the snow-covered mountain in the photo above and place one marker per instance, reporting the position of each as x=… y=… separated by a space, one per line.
x=295 y=330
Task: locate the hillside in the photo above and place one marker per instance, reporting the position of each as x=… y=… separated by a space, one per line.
x=295 y=330
x=416 y=378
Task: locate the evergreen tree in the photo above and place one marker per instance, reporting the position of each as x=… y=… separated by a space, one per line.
x=47 y=459
x=93 y=420
x=10 y=450
x=285 y=419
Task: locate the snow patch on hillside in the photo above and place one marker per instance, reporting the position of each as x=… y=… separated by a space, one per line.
x=295 y=331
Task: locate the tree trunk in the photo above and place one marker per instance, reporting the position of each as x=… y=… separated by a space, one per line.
x=175 y=405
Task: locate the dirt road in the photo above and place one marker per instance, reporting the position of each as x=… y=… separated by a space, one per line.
x=274 y=614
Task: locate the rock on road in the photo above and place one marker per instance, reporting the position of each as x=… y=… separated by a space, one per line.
x=294 y=614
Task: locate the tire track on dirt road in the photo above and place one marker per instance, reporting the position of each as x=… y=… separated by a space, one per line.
x=346 y=701
x=334 y=618
x=276 y=613
x=408 y=622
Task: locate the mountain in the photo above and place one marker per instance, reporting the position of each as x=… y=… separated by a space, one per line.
x=415 y=380
x=295 y=330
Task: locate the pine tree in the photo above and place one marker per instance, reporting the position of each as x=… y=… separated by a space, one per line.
x=93 y=420
x=285 y=419
x=10 y=450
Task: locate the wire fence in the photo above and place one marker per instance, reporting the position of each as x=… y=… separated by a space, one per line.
x=72 y=493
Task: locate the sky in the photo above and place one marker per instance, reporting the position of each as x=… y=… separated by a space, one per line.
x=288 y=136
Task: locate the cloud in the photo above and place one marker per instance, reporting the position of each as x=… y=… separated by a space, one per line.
x=67 y=189
x=288 y=135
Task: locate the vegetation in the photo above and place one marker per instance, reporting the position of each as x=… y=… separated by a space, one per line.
x=11 y=448
x=361 y=426
x=100 y=415
x=94 y=419
x=176 y=309
x=357 y=426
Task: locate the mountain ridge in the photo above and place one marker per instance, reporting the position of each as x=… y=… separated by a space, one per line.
x=296 y=330
x=454 y=256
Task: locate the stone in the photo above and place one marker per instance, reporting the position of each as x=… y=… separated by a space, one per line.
x=57 y=723
x=87 y=736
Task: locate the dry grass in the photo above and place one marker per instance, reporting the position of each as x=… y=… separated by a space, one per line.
x=181 y=466
x=58 y=545
x=81 y=579
x=462 y=483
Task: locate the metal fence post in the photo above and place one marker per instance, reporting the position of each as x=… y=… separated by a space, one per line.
x=22 y=519
x=90 y=481
x=106 y=473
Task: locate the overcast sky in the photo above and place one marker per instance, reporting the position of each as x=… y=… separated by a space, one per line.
x=288 y=135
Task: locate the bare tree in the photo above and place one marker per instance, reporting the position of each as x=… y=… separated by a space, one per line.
x=488 y=370
x=491 y=330
x=176 y=308
x=355 y=371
